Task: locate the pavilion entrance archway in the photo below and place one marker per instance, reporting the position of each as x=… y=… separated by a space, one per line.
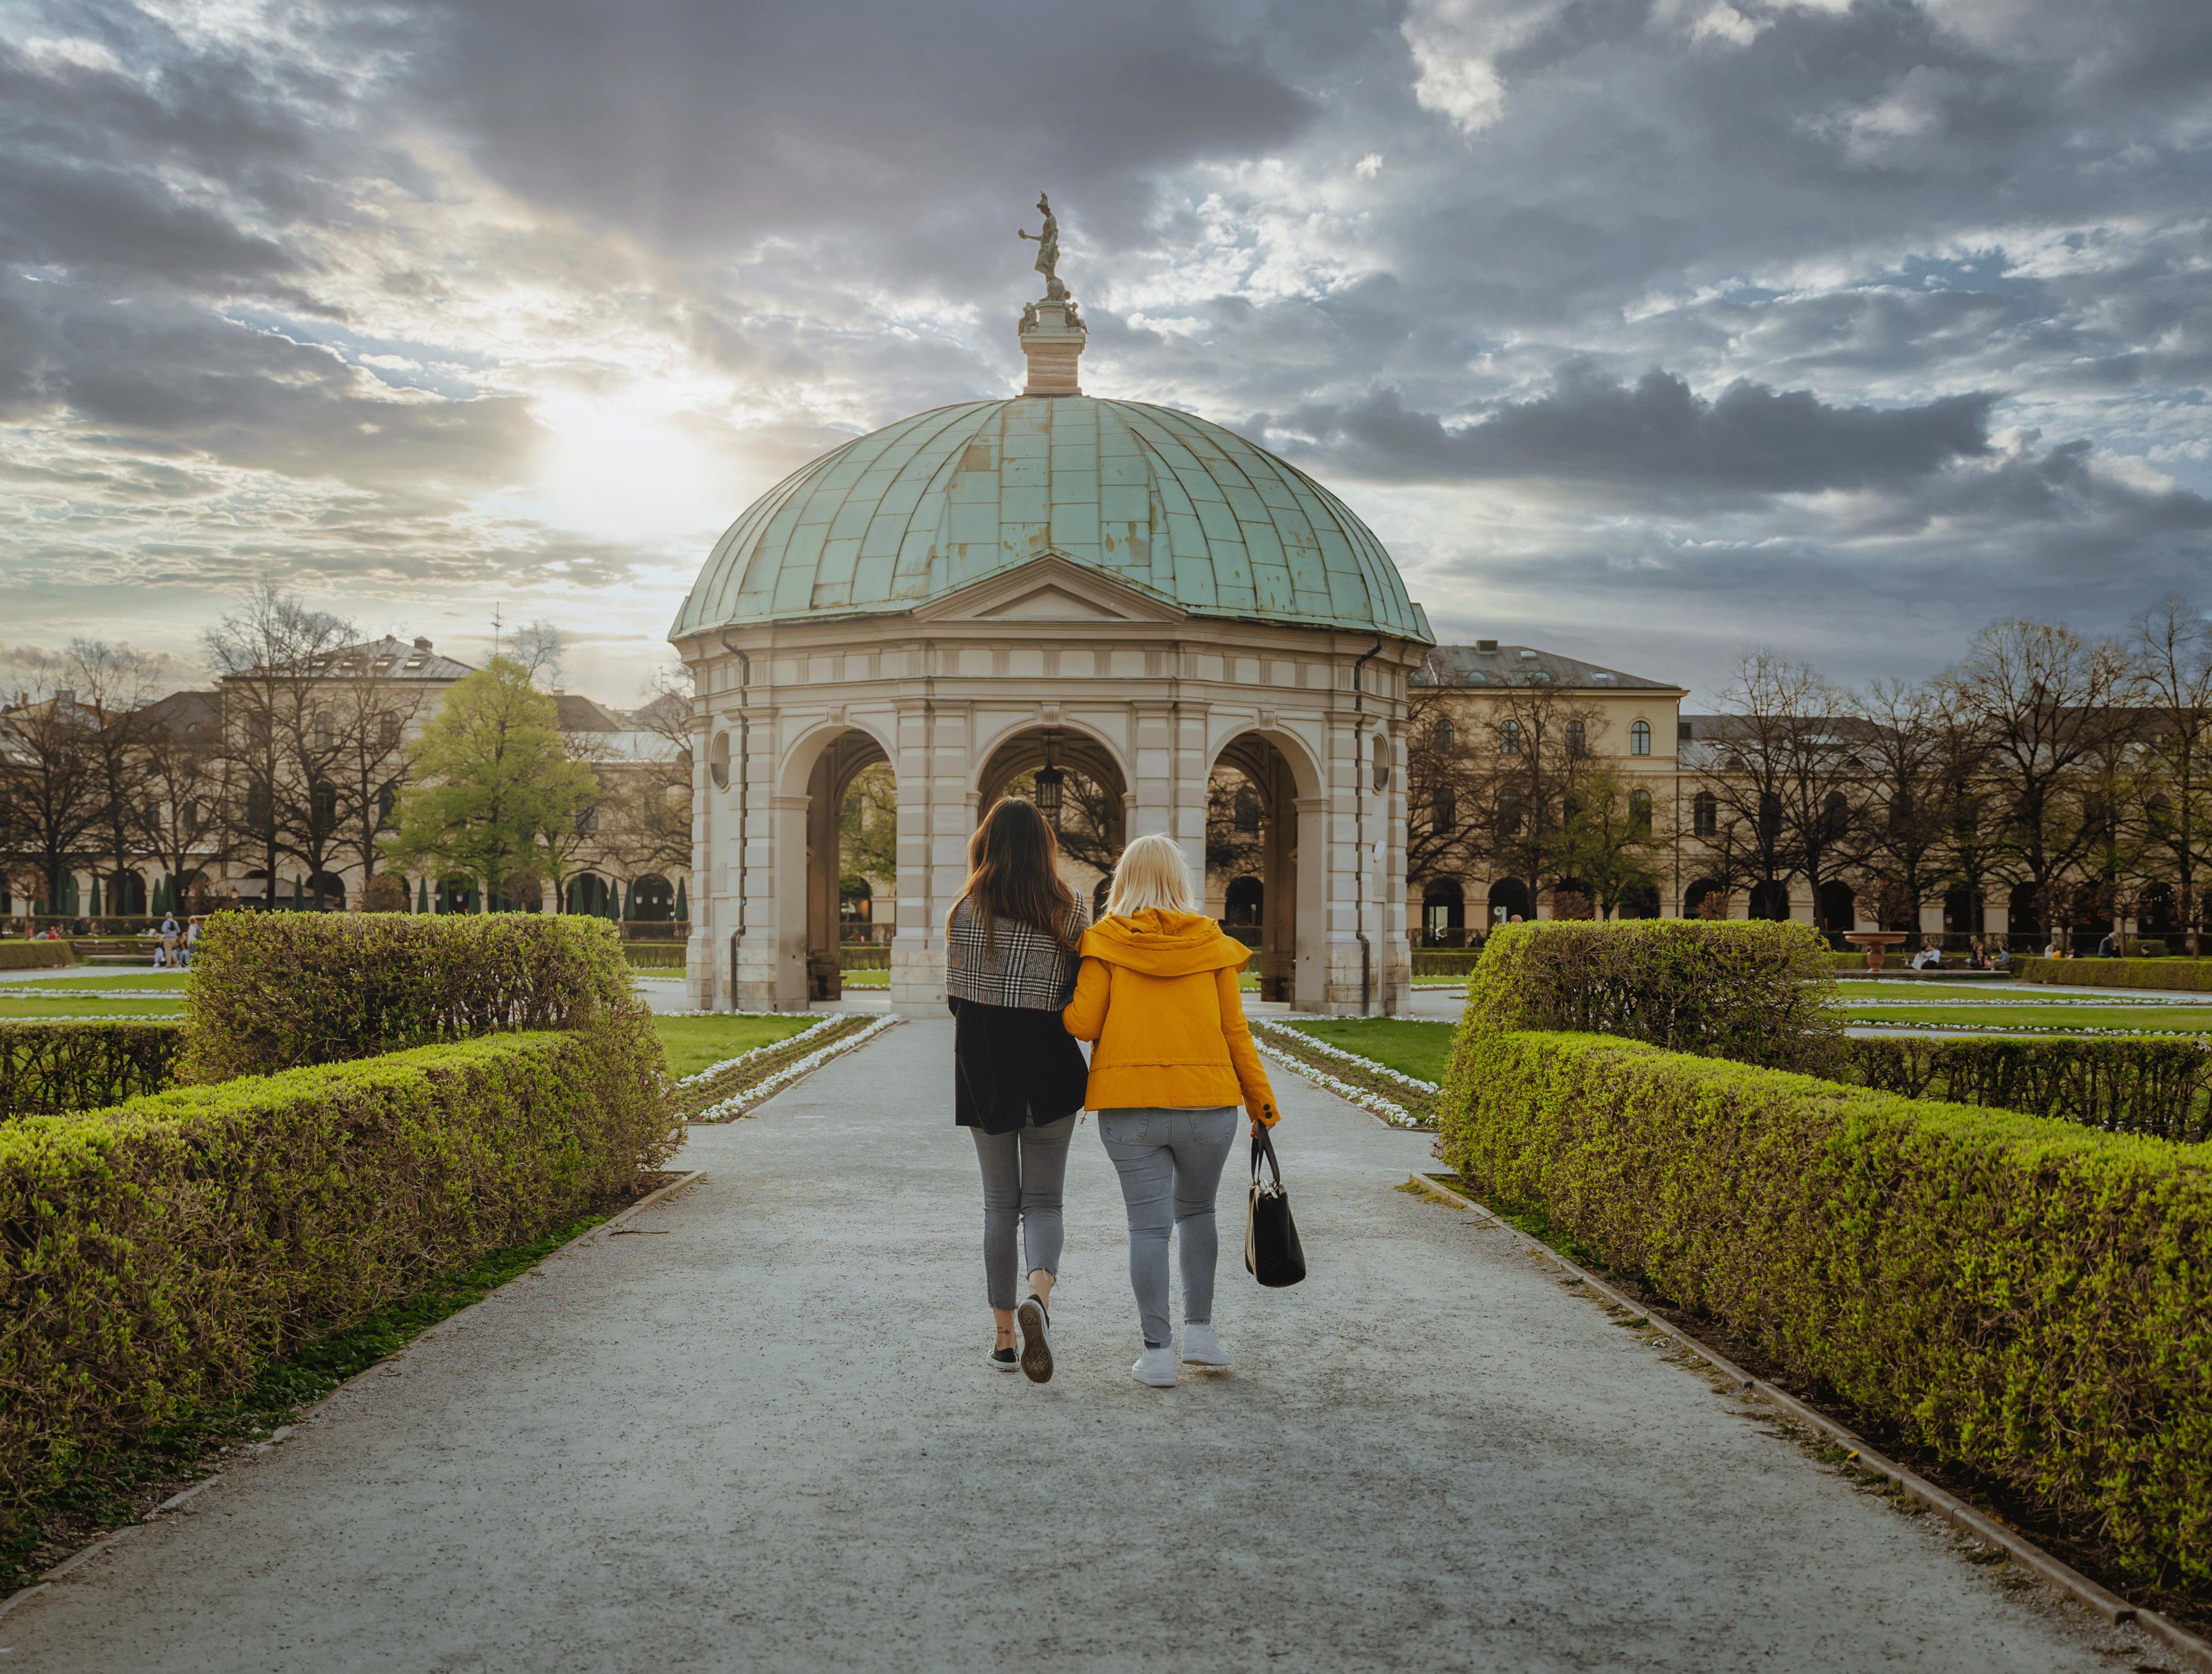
x=1078 y=784
x=1253 y=825
x=809 y=846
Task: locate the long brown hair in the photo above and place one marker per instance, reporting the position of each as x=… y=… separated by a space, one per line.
x=1013 y=872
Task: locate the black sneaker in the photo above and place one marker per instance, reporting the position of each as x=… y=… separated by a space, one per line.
x=1002 y=1360
x=1036 y=1340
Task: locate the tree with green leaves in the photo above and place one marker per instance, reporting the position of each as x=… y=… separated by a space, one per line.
x=492 y=776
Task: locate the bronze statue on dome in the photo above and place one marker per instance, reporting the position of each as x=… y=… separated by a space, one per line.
x=1047 y=243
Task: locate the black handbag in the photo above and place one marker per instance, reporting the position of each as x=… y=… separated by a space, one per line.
x=1273 y=1254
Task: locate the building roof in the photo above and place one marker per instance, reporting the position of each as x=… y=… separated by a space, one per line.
x=580 y=714
x=394 y=659
x=1487 y=663
x=1158 y=500
x=199 y=713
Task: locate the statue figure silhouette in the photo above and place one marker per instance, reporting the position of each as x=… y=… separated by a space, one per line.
x=1047 y=243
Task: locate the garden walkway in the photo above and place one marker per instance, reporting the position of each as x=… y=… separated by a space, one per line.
x=760 y=1436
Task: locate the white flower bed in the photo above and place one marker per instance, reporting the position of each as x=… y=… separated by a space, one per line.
x=1314 y=1043
x=747 y=1056
x=739 y=1103
x=1267 y=1030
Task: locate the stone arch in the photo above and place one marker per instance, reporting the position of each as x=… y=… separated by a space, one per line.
x=985 y=758
x=1093 y=818
x=817 y=769
x=1292 y=963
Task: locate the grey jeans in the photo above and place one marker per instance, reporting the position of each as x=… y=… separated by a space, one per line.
x=1023 y=1173
x=1170 y=1163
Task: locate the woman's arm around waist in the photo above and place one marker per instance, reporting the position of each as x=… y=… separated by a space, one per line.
x=1085 y=1016
x=1259 y=1097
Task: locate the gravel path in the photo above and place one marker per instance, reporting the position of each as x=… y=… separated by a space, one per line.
x=761 y=1437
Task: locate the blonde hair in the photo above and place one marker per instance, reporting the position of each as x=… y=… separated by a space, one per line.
x=1152 y=872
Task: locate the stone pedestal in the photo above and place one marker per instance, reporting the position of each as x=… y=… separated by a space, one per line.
x=1052 y=336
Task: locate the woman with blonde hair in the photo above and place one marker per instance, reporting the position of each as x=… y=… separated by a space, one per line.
x=1011 y=943
x=1157 y=992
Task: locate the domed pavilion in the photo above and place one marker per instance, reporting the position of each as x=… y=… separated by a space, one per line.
x=1052 y=581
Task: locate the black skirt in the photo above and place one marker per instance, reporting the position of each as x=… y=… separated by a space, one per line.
x=1012 y=1067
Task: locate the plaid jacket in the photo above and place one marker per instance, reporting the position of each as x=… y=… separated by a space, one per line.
x=1024 y=968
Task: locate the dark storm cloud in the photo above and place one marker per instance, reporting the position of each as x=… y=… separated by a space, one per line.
x=273 y=253
x=695 y=125
x=1656 y=436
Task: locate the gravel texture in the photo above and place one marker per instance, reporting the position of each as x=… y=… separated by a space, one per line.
x=760 y=1435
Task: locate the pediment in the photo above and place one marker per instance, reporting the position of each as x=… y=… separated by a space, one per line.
x=1049 y=588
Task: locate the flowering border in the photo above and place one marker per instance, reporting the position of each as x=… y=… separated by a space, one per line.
x=1277 y=1040
x=748 y=1100
x=752 y=1052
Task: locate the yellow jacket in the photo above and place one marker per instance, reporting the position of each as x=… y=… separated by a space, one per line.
x=1157 y=992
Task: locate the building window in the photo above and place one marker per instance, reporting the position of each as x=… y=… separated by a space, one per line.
x=1639 y=739
x=1509 y=814
x=1447 y=737
x=1509 y=738
x=1443 y=810
x=1577 y=740
x=388 y=730
x=1640 y=812
x=1705 y=814
x=718 y=761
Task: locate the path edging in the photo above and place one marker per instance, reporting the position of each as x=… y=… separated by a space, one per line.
x=2015 y=1546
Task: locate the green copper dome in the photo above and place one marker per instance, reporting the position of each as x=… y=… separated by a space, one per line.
x=1155 y=498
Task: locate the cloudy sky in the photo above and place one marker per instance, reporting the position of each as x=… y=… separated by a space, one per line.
x=1643 y=330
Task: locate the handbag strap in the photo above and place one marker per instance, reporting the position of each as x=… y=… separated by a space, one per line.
x=1264 y=1145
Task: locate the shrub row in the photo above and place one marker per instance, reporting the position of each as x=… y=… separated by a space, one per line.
x=2028 y=1298
x=2183 y=976
x=28 y=955
x=2160 y=1087
x=271 y=992
x=1753 y=990
x=654 y=955
x=158 y=1252
x=1445 y=961
x=47 y=1068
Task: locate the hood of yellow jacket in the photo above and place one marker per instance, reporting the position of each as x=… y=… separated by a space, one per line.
x=1158 y=943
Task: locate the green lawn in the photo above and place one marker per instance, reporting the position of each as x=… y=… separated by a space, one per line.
x=44 y=983
x=89 y=1005
x=693 y=1043
x=1411 y=1048
x=867 y=979
x=2164 y=1019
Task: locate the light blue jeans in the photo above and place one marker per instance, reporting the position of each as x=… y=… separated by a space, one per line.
x=1170 y=1163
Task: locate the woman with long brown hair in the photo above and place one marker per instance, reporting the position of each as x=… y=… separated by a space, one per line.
x=1018 y=1077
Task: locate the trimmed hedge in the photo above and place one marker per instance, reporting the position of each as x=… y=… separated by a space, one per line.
x=2160 y=1087
x=2180 y=975
x=275 y=990
x=160 y=1252
x=1445 y=961
x=28 y=955
x=2028 y=1298
x=47 y=1068
x=654 y=955
x=1753 y=990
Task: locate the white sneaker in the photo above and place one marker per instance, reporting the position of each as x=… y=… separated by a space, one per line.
x=1201 y=1348
x=1156 y=1367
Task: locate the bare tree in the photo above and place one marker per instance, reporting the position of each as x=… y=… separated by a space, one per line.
x=2171 y=677
x=1773 y=770
x=1527 y=766
x=50 y=779
x=113 y=685
x=1449 y=782
x=1904 y=745
x=2045 y=705
x=180 y=804
x=366 y=717
x=281 y=800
